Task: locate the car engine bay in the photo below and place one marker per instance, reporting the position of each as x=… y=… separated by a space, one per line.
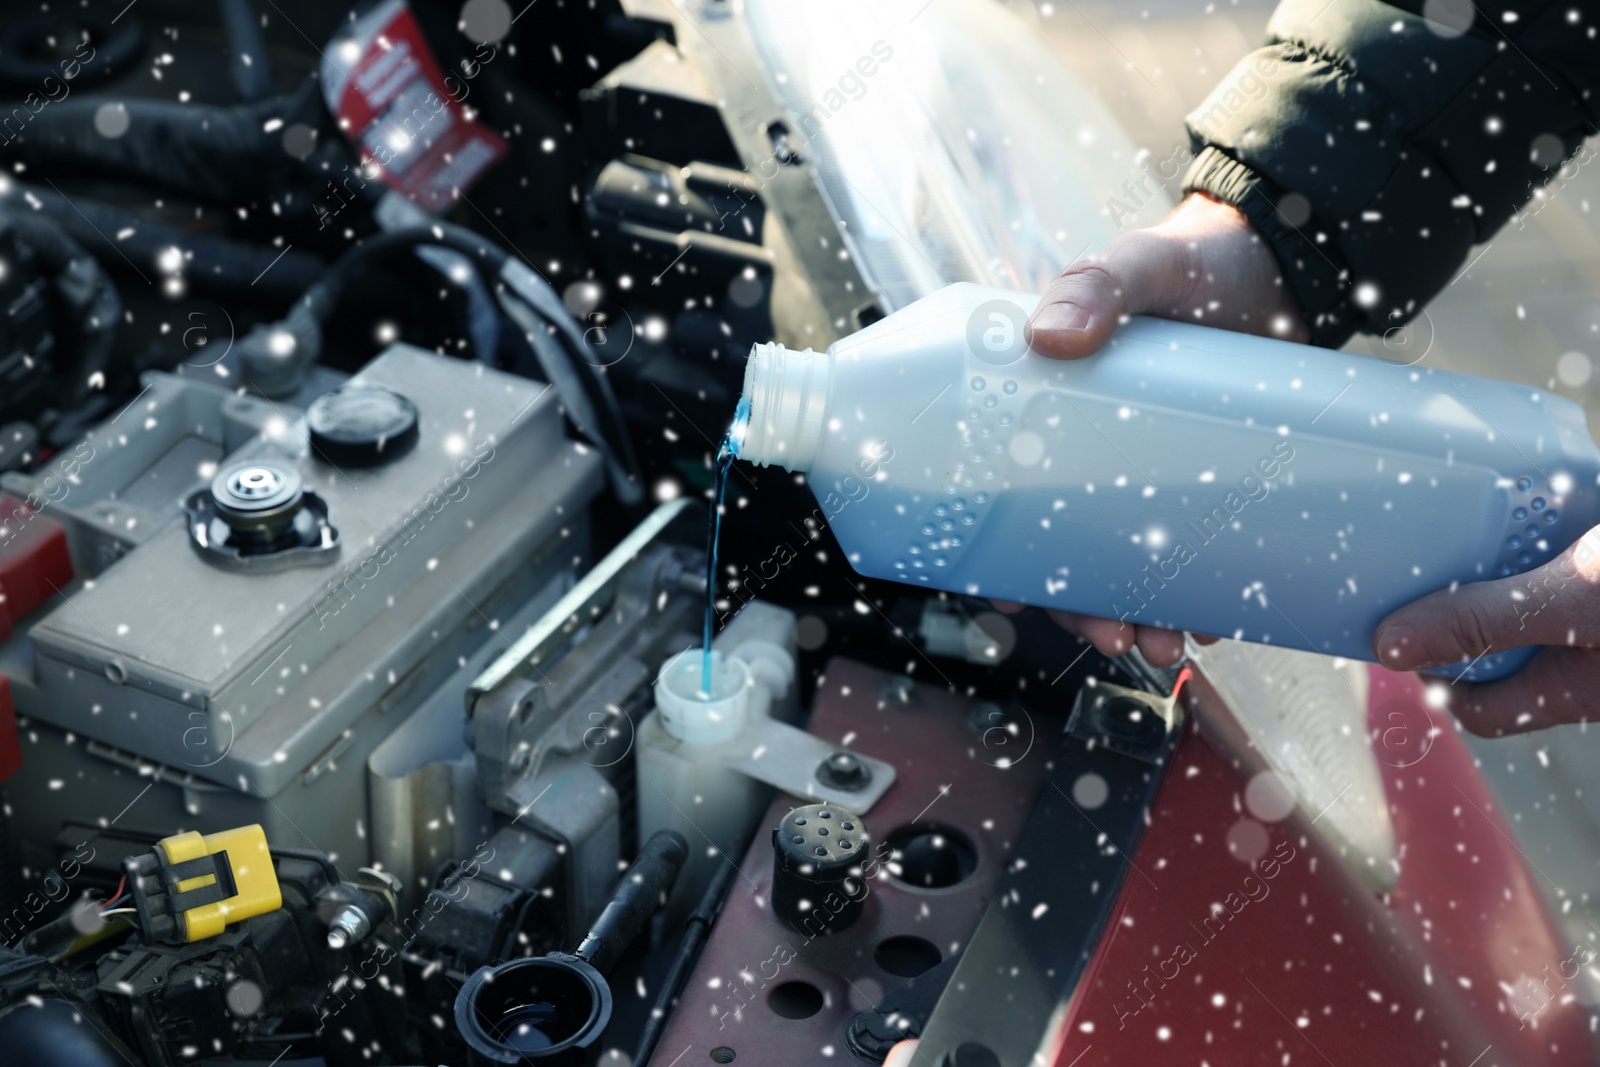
x=335 y=525
x=362 y=384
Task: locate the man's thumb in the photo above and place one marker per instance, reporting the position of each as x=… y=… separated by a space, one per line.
x=1142 y=271
x=1077 y=313
x=1551 y=605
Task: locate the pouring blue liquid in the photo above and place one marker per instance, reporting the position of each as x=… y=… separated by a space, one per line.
x=726 y=454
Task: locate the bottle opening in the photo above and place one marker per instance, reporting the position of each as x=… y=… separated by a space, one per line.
x=739 y=427
x=785 y=401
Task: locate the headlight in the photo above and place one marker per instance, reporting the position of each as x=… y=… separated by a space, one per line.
x=951 y=143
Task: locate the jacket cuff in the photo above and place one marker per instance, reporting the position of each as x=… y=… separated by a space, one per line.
x=1314 y=271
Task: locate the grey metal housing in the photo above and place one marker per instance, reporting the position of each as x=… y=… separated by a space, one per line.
x=248 y=696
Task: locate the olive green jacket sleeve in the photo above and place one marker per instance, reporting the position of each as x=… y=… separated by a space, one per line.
x=1372 y=146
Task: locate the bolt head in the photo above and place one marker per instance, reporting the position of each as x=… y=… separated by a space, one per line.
x=844 y=770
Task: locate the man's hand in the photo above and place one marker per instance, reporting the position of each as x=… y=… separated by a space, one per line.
x=902 y=1055
x=1557 y=604
x=1202 y=263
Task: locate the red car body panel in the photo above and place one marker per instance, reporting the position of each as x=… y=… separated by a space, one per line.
x=1461 y=964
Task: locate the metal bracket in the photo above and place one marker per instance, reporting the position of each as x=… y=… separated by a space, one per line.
x=789 y=759
x=1130 y=721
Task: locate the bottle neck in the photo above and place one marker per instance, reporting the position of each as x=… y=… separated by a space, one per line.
x=787 y=394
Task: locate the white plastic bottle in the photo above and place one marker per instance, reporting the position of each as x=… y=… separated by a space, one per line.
x=1184 y=476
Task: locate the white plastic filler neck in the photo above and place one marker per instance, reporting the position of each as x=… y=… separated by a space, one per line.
x=788 y=394
x=699 y=718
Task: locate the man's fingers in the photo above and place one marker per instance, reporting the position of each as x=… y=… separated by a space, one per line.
x=1203 y=262
x=1557 y=686
x=1557 y=604
x=1163 y=648
x=1108 y=636
x=902 y=1055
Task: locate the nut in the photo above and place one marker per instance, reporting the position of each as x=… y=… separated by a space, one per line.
x=844 y=770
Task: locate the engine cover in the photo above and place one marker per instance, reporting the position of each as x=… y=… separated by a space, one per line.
x=275 y=680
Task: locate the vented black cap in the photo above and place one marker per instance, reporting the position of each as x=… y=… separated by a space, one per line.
x=817 y=884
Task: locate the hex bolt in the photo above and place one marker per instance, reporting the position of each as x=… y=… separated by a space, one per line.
x=845 y=771
x=351 y=924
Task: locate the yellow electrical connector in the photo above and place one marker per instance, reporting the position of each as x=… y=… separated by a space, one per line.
x=190 y=887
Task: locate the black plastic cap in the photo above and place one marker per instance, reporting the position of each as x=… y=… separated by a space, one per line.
x=817 y=882
x=361 y=426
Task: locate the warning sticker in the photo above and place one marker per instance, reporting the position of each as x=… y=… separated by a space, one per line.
x=391 y=99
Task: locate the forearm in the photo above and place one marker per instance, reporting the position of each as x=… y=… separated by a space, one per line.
x=1372 y=149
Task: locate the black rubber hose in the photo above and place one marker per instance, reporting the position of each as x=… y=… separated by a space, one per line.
x=46 y=47
x=247 y=50
x=52 y=1033
x=309 y=315
x=95 y=307
x=322 y=297
x=636 y=897
x=539 y=299
x=696 y=932
x=601 y=401
x=202 y=151
x=233 y=154
x=212 y=264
